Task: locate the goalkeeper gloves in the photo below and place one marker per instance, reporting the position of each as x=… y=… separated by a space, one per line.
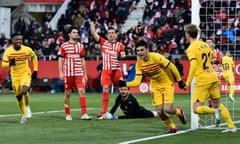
x=34 y=75
x=181 y=84
x=122 y=83
x=114 y=117
x=12 y=62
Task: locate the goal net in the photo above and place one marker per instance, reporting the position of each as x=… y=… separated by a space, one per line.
x=219 y=20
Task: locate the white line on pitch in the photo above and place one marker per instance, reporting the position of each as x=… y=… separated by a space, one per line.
x=155 y=137
x=166 y=135
x=46 y=112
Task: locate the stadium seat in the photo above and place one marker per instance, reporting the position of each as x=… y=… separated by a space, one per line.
x=56 y=85
x=44 y=84
x=34 y=84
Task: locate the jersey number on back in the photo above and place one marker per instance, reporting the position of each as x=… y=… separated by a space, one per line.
x=225 y=66
x=205 y=59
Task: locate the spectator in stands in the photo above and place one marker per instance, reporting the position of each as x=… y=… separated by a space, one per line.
x=161 y=20
x=111 y=73
x=78 y=19
x=47 y=18
x=20 y=26
x=72 y=69
x=2 y=39
x=6 y=44
x=122 y=11
x=61 y=23
x=33 y=26
x=220 y=19
x=229 y=33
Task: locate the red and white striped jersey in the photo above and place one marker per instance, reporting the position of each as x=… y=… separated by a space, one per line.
x=72 y=54
x=217 y=61
x=218 y=56
x=110 y=53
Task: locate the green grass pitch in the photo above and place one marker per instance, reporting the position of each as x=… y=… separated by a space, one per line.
x=48 y=124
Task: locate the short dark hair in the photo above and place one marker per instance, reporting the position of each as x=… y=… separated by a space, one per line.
x=72 y=28
x=142 y=43
x=112 y=28
x=16 y=34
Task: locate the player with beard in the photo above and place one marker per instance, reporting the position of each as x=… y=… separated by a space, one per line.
x=72 y=69
x=111 y=51
x=130 y=106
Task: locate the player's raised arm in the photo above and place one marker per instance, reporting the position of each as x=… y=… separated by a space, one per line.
x=93 y=32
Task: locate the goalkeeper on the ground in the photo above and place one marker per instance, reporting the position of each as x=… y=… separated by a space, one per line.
x=130 y=106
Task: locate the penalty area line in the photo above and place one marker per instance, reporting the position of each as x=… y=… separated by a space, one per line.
x=156 y=137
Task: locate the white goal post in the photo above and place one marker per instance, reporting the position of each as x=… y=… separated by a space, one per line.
x=195 y=19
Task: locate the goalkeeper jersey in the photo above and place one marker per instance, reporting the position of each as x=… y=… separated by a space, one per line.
x=130 y=107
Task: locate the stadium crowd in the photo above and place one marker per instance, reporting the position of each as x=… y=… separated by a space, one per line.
x=161 y=25
x=220 y=21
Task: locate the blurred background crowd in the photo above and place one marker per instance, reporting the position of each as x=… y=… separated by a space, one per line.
x=161 y=25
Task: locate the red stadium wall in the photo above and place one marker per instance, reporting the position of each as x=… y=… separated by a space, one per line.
x=50 y=69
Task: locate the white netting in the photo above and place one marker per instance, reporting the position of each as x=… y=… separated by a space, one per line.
x=220 y=21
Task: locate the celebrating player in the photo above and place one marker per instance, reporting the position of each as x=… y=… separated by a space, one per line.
x=111 y=72
x=162 y=74
x=228 y=68
x=72 y=69
x=16 y=57
x=207 y=84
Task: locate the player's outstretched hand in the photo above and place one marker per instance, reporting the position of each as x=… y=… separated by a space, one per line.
x=34 y=75
x=122 y=83
x=181 y=84
x=12 y=62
